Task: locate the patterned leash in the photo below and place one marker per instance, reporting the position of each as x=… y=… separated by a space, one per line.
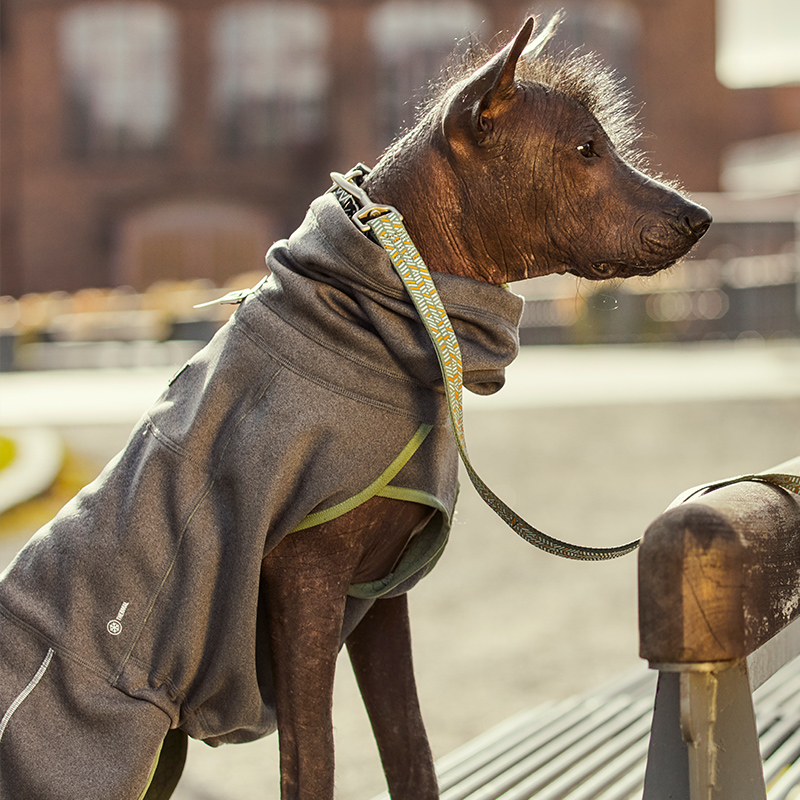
x=386 y=223
x=782 y=479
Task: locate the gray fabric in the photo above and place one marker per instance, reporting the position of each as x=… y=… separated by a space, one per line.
x=146 y=585
x=72 y=737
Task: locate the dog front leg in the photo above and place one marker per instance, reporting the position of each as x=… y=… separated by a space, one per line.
x=380 y=652
x=305 y=612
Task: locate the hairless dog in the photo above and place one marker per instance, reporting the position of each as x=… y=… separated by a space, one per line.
x=299 y=474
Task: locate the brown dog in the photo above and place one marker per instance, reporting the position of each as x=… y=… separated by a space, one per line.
x=509 y=175
x=311 y=439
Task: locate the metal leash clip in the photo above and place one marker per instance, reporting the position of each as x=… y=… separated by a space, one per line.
x=368 y=210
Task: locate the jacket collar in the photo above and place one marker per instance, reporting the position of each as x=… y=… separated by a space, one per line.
x=329 y=249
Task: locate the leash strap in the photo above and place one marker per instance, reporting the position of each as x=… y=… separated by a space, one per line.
x=386 y=224
x=784 y=480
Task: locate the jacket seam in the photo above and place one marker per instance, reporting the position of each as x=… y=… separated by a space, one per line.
x=320 y=342
x=175 y=695
x=26 y=691
x=212 y=479
x=168 y=442
x=292 y=367
x=61 y=650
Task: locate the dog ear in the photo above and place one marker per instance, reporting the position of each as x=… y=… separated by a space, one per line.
x=472 y=110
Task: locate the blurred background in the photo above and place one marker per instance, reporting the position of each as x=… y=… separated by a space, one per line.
x=152 y=151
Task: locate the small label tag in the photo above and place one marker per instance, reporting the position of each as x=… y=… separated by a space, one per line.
x=232 y=298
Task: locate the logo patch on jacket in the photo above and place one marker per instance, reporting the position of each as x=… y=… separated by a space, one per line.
x=114 y=626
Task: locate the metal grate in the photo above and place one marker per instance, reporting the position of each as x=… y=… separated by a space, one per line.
x=594 y=747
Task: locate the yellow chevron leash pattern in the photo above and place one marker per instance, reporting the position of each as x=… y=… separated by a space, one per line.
x=386 y=223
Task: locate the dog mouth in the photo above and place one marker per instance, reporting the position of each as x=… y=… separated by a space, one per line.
x=605 y=270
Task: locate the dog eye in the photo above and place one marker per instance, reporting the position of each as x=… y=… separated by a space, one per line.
x=587 y=150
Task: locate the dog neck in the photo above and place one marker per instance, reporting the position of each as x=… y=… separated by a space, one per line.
x=417 y=179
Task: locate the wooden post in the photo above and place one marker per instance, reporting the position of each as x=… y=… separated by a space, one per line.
x=719 y=611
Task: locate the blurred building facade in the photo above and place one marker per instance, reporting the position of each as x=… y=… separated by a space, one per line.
x=174 y=139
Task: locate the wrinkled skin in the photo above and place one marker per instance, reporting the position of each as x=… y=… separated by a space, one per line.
x=504 y=181
x=517 y=181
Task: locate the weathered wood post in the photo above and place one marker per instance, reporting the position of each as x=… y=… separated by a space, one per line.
x=719 y=613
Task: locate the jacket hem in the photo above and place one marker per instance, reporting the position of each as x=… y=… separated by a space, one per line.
x=405 y=455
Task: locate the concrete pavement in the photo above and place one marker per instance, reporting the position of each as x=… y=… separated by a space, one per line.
x=540 y=376
x=589 y=444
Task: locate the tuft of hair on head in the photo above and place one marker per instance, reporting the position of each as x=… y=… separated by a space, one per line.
x=578 y=74
x=582 y=76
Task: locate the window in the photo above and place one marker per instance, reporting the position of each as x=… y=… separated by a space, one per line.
x=412 y=41
x=758 y=44
x=121 y=86
x=184 y=239
x=270 y=76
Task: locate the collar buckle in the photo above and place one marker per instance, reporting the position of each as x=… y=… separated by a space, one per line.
x=368 y=210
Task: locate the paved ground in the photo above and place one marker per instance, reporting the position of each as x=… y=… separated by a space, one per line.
x=587 y=443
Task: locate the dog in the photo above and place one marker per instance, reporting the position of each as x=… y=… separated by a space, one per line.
x=298 y=476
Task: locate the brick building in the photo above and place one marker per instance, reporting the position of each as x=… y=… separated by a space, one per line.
x=148 y=139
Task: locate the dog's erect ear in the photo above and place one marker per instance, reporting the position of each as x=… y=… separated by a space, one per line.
x=472 y=110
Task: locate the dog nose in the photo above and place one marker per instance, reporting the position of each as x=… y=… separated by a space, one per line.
x=697 y=220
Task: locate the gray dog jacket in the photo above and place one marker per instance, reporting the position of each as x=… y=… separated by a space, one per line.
x=136 y=610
